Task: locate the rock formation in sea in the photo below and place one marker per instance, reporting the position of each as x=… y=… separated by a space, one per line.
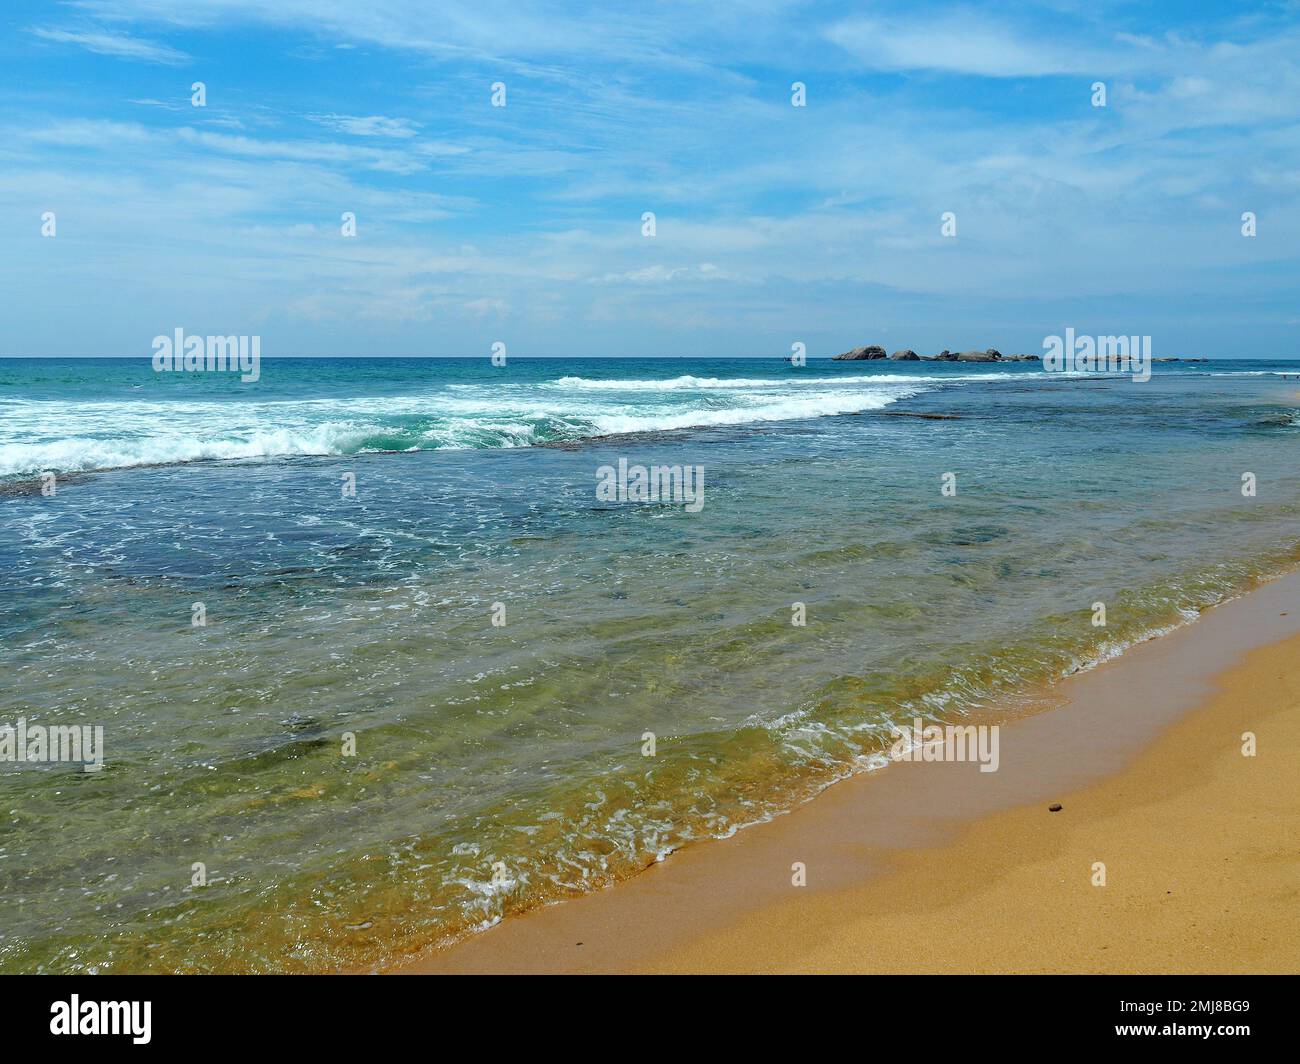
x=874 y=351
x=860 y=353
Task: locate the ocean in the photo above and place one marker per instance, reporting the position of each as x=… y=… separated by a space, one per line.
x=377 y=665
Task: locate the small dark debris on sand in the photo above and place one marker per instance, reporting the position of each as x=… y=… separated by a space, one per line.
x=1055 y=807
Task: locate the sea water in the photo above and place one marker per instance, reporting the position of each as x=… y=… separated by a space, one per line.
x=377 y=666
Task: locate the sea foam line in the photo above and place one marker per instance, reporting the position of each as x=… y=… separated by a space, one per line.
x=158 y=436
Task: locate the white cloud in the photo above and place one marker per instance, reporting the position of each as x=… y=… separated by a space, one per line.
x=303 y=151
x=369 y=125
x=86 y=133
x=115 y=44
x=957 y=43
x=659 y=274
x=102 y=135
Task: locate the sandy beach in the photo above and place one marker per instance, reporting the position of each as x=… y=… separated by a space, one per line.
x=936 y=867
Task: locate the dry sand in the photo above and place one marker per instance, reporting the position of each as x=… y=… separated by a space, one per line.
x=941 y=868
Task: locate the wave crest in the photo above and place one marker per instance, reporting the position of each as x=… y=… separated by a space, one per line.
x=45 y=436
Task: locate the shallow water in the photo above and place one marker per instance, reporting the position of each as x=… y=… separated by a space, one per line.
x=499 y=766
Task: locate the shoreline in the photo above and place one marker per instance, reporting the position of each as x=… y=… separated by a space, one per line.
x=932 y=867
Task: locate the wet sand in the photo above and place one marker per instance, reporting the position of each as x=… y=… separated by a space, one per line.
x=937 y=867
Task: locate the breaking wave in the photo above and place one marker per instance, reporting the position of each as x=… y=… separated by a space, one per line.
x=63 y=436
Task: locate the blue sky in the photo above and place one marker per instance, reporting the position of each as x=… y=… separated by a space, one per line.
x=523 y=223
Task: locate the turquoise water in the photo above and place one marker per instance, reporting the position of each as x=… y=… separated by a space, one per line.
x=499 y=766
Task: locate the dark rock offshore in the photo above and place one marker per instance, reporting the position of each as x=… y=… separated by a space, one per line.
x=874 y=351
x=859 y=353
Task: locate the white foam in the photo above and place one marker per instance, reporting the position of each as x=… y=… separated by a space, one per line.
x=688 y=382
x=64 y=436
x=789 y=409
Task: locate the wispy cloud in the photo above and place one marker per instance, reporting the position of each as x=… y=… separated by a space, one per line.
x=397 y=162
x=116 y=44
x=369 y=125
x=108 y=136
x=961 y=43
